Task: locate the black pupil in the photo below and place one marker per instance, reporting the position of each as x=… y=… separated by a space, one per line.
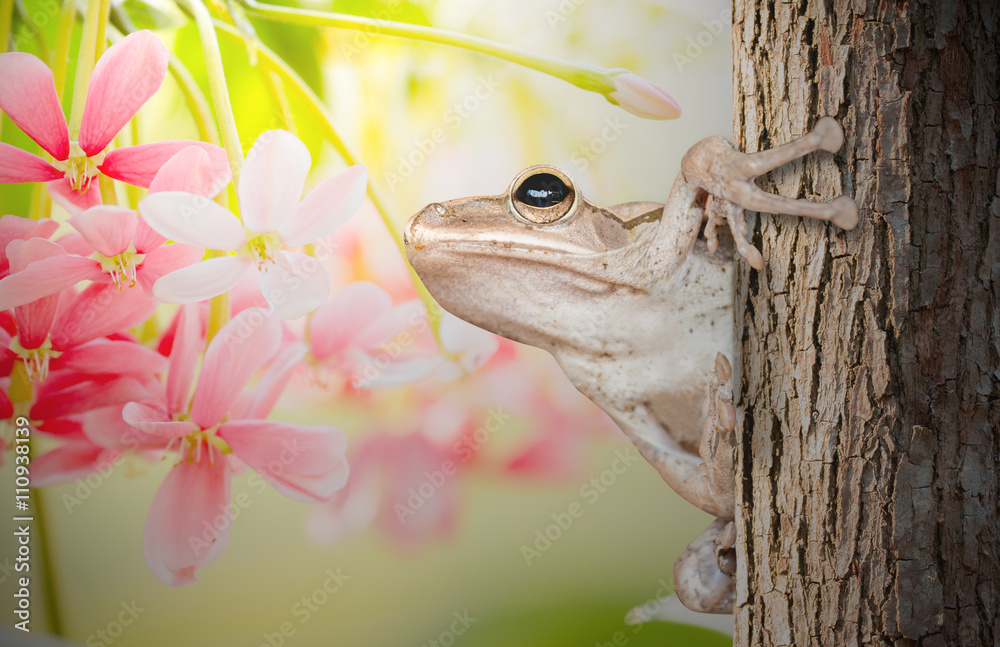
x=542 y=190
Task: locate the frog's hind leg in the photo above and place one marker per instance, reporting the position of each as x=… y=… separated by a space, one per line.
x=700 y=583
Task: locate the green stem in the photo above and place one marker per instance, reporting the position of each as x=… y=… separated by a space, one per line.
x=87 y=56
x=6 y=18
x=42 y=534
x=589 y=77
x=315 y=106
x=60 y=56
x=195 y=99
x=217 y=84
x=102 y=28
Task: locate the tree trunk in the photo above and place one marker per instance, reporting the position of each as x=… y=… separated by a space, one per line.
x=868 y=470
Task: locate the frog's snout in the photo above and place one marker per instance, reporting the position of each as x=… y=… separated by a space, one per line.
x=416 y=230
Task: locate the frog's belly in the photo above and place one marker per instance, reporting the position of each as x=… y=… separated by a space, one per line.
x=682 y=415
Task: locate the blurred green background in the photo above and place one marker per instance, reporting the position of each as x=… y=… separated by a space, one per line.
x=387 y=96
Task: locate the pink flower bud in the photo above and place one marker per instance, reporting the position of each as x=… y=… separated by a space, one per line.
x=643 y=98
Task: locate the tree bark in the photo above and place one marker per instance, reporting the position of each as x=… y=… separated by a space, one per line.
x=870 y=388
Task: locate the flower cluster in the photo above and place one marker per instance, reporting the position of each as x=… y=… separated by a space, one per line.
x=167 y=325
x=83 y=352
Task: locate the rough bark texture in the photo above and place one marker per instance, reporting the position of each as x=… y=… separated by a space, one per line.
x=871 y=359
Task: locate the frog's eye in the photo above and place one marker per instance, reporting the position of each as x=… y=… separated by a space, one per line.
x=543 y=195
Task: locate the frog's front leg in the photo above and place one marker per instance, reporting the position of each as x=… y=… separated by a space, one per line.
x=706 y=479
x=727 y=176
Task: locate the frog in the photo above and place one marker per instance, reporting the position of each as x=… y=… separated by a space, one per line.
x=636 y=304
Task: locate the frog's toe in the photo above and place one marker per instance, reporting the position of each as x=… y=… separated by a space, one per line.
x=718 y=443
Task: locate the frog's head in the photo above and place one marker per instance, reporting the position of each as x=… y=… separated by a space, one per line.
x=542 y=265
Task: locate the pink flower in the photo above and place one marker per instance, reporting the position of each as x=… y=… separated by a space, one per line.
x=643 y=98
x=127 y=75
x=275 y=217
x=360 y=334
x=213 y=428
x=407 y=485
x=101 y=441
x=66 y=328
x=126 y=251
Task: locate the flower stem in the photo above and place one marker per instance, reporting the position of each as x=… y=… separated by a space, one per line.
x=295 y=84
x=218 y=311
x=6 y=16
x=102 y=28
x=95 y=16
x=217 y=84
x=195 y=99
x=60 y=56
x=42 y=535
x=589 y=77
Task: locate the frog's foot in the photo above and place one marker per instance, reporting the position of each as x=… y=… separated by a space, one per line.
x=700 y=584
x=725 y=549
x=718 y=442
x=728 y=177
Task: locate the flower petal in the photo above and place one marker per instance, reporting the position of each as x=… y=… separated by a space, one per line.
x=373 y=374
x=265 y=395
x=6 y=406
x=202 y=280
x=155 y=420
x=19 y=228
x=326 y=208
x=239 y=348
x=91 y=392
x=338 y=322
x=108 y=229
x=181 y=535
x=72 y=200
x=141 y=164
x=303 y=463
x=643 y=98
x=272 y=180
x=164 y=260
x=408 y=461
x=106 y=356
x=128 y=74
x=192 y=219
x=28 y=96
x=474 y=345
x=45 y=277
x=107 y=428
x=294 y=285
x=69 y=462
x=98 y=311
x=183 y=359
x=34 y=320
x=17 y=165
